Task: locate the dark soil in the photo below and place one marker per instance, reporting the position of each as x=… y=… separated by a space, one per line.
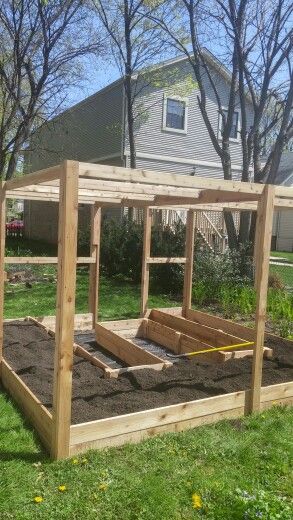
x=29 y=351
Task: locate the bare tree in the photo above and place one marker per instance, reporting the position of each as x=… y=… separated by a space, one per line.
x=42 y=44
x=135 y=45
x=253 y=41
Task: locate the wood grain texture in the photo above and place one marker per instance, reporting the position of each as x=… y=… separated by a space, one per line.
x=94 y=273
x=63 y=360
x=265 y=214
x=188 y=270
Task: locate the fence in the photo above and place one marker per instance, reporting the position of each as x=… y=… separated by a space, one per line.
x=282 y=267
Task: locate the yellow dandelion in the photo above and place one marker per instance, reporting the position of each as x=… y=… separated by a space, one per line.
x=75 y=461
x=38 y=499
x=62 y=488
x=103 y=486
x=196 y=501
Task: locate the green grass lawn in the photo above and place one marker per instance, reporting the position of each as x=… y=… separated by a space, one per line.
x=283 y=254
x=238 y=469
x=118 y=298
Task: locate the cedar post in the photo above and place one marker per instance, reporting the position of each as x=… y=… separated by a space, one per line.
x=188 y=271
x=94 y=272
x=265 y=214
x=64 y=339
x=145 y=270
x=2 y=259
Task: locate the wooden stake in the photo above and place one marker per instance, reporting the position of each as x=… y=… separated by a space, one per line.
x=265 y=215
x=2 y=254
x=188 y=271
x=67 y=244
x=145 y=271
x=96 y=218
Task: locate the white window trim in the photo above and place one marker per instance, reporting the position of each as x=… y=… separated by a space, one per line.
x=166 y=128
x=231 y=139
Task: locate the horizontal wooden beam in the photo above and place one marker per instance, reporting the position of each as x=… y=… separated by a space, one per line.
x=44 y=260
x=48 y=174
x=166 y=260
x=209 y=335
x=125 y=349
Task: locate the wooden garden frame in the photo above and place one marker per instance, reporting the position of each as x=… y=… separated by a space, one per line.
x=71 y=183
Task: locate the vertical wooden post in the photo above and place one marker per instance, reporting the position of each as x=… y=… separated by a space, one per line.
x=265 y=213
x=94 y=271
x=63 y=360
x=188 y=271
x=145 y=270
x=2 y=255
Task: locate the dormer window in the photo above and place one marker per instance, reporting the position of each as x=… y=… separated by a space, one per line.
x=235 y=128
x=175 y=114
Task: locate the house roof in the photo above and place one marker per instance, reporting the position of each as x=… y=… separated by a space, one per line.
x=213 y=61
x=285 y=169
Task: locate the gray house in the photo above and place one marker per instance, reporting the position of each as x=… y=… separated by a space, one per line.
x=171 y=135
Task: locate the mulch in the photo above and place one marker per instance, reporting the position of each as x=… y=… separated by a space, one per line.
x=30 y=351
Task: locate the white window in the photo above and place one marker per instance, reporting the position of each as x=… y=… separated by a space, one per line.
x=235 y=128
x=175 y=114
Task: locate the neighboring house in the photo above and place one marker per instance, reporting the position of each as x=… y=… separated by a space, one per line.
x=170 y=133
x=283 y=220
x=171 y=136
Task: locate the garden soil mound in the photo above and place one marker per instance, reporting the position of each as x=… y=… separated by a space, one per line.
x=29 y=351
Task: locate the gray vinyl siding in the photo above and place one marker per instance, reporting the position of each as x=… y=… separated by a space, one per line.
x=89 y=130
x=183 y=169
x=196 y=144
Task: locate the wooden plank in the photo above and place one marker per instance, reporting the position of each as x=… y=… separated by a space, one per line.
x=49 y=174
x=189 y=252
x=33 y=409
x=146 y=251
x=44 y=260
x=125 y=349
x=94 y=274
x=116 y=372
x=163 y=335
x=141 y=425
x=265 y=225
x=81 y=321
x=120 y=174
x=146 y=433
x=112 y=426
x=118 y=325
x=166 y=260
x=2 y=253
x=209 y=335
x=190 y=344
x=67 y=245
x=230 y=327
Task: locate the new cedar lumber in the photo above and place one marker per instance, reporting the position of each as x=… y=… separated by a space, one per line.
x=163 y=335
x=125 y=349
x=226 y=325
x=209 y=335
x=265 y=215
x=145 y=268
x=44 y=260
x=33 y=409
x=94 y=273
x=146 y=433
x=166 y=260
x=189 y=253
x=65 y=306
x=115 y=372
x=118 y=325
x=112 y=426
x=49 y=174
x=122 y=174
x=77 y=349
x=134 y=427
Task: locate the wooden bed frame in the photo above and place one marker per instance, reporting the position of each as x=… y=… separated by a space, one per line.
x=185 y=330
